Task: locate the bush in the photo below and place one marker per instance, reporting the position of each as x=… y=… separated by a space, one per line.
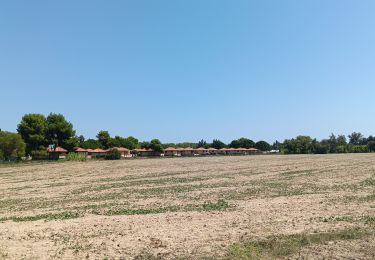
x=113 y=155
x=341 y=149
x=40 y=154
x=75 y=157
x=371 y=146
x=11 y=145
x=359 y=149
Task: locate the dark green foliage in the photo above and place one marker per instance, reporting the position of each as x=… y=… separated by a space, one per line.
x=242 y=143
x=38 y=132
x=371 y=146
x=59 y=131
x=156 y=145
x=299 y=145
x=11 y=145
x=358 y=149
x=217 y=144
x=263 y=146
x=32 y=129
x=75 y=157
x=342 y=149
x=112 y=155
x=145 y=145
x=91 y=144
x=202 y=143
x=104 y=139
x=320 y=148
x=129 y=142
x=276 y=145
x=356 y=138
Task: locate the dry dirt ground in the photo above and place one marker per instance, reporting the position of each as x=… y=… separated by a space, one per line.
x=240 y=207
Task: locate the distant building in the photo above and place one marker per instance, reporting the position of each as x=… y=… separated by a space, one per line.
x=81 y=151
x=125 y=152
x=56 y=153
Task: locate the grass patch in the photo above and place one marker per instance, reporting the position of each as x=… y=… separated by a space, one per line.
x=47 y=216
x=370 y=182
x=220 y=205
x=296 y=173
x=285 y=245
x=369 y=220
x=336 y=218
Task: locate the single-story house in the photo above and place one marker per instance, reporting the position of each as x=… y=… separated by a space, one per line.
x=56 y=153
x=222 y=151
x=188 y=151
x=242 y=151
x=201 y=151
x=213 y=150
x=171 y=151
x=81 y=151
x=125 y=152
x=96 y=152
x=252 y=150
x=144 y=152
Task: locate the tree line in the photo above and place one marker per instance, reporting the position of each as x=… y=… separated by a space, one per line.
x=35 y=132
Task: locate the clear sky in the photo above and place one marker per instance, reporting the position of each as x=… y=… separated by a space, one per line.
x=186 y=70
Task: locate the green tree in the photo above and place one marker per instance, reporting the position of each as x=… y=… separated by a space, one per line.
x=263 y=146
x=304 y=144
x=104 y=139
x=129 y=142
x=355 y=138
x=371 y=146
x=217 y=144
x=201 y=143
x=32 y=129
x=11 y=145
x=113 y=155
x=156 y=145
x=91 y=144
x=81 y=139
x=145 y=145
x=59 y=130
x=341 y=140
x=242 y=143
x=332 y=143
x=300 y=145
x=276 y=145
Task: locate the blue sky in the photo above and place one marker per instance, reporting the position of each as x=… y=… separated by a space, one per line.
x=187 y=70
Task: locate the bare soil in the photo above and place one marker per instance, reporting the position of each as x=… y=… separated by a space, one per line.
x=201 y=207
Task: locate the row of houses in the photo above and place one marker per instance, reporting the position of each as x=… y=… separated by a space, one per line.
x=60 y=153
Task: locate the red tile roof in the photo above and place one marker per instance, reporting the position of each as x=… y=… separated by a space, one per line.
x=170 y=149
x=120 y=149
x=142 y=150
x=79 y=149
x=57 y=150
x=98 y=150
